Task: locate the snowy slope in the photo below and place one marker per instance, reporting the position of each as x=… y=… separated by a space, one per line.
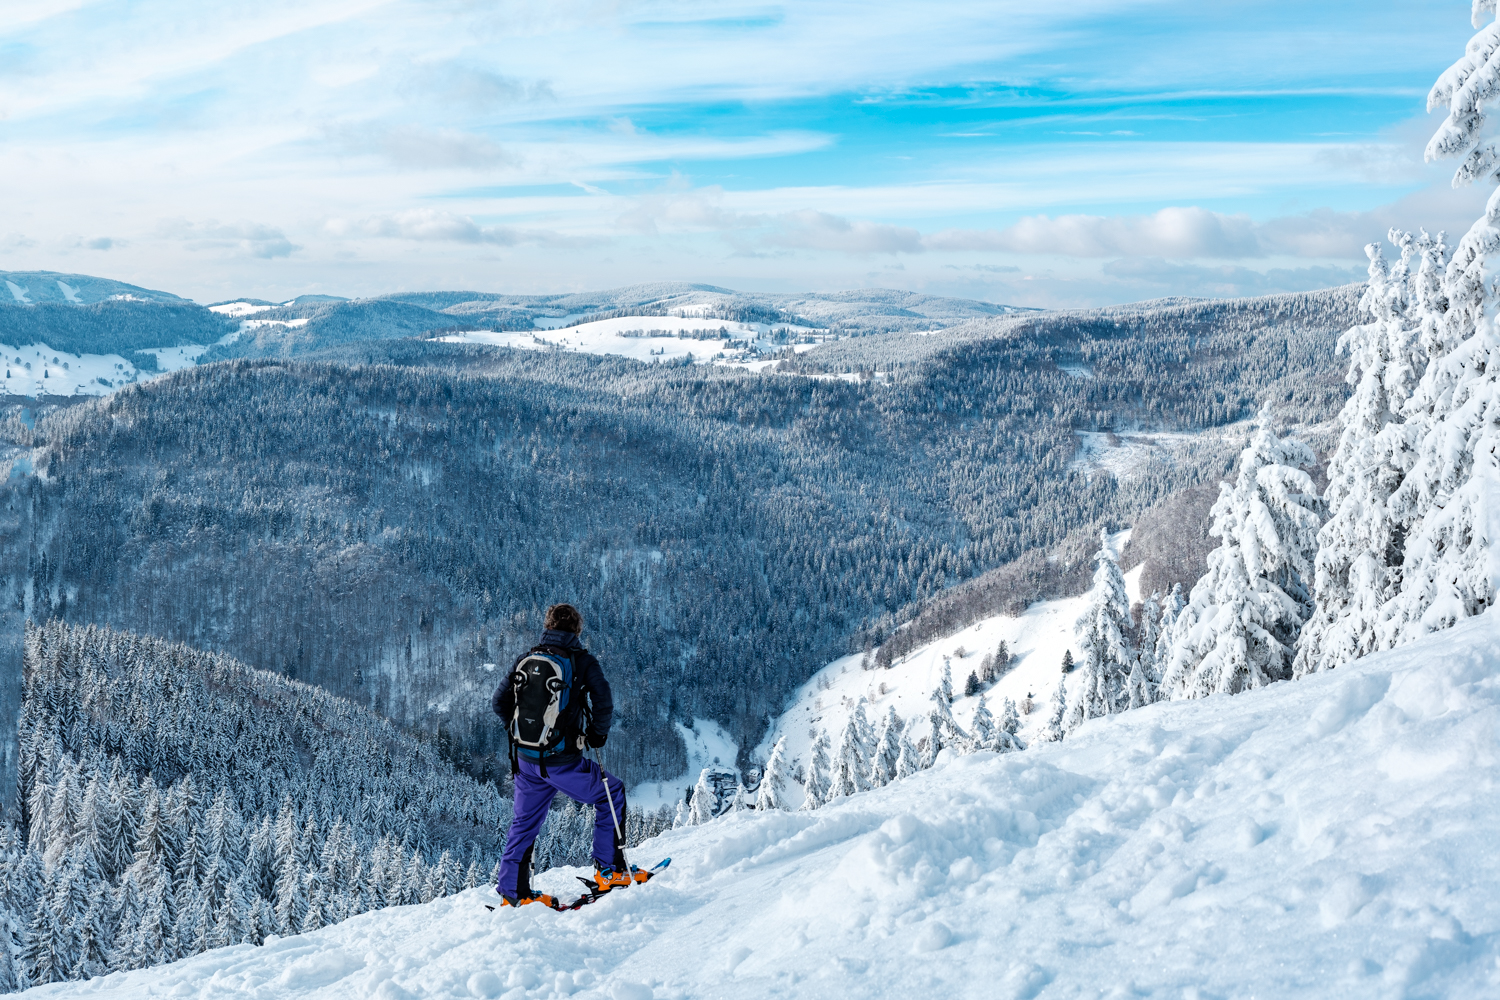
x=1329 y=838
x=1037 y=639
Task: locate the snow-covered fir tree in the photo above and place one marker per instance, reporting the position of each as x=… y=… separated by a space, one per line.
x=1010 y=719
x=885 y=761
x=1358 y=565
x=982 y=727
x=704 y=804
x=816 y=787
x=941 y=729
x=1055 y=725
x=740 y=800
x=1171 y=608
x=1449 y=500
x=1150 y=629
x=1240 y=626
x=772 y=791
x=1104 y=649
x=851 y=765
x=909 y=761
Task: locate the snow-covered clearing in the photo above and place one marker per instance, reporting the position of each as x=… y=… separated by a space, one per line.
x=1036 y=639
x=1124 y=454
x=707 y=744
x=36 y=370
x=171 y=359
x=644 y=338
x=256 y=324
x=240 y=307
x=1331 y=838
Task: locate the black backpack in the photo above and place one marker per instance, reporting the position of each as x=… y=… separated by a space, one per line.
x=547 y=706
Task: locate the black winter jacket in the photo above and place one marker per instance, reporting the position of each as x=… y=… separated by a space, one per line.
x=590 y=692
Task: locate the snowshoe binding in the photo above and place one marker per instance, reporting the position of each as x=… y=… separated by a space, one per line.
x=540 y=897
x=607 y=877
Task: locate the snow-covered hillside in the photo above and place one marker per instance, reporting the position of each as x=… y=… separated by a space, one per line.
x=1331 y=838
x=1036 y=640
x=35 y=370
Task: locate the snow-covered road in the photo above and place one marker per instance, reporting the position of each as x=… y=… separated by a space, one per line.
x=1328 y=838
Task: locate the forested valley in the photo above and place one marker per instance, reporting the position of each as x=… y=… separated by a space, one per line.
x=383 y=519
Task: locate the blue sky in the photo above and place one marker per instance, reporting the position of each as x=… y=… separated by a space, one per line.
x=1031 y=153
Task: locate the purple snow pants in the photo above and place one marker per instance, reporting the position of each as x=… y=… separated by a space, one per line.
x=579 y=781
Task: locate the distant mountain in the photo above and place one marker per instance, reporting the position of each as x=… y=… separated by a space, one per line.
x=83 y=314
x=28 y=288
x=857 y=312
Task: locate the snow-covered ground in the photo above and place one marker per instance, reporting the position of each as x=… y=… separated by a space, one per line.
x=1036 y=639
x=1329 y=838
x=644 y=338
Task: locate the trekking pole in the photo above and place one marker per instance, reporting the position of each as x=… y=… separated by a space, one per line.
x=619 y=837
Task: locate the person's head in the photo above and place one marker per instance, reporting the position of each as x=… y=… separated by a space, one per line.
x=564 y=618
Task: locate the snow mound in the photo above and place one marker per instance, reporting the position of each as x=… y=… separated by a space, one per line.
x=1332 y=837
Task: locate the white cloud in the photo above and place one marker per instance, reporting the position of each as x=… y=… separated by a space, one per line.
x=1226 y=279
x=812 y=230
x=429 y=225
x=244 y=238
x=1172 y=232
x=682 y=208
x=13 y=242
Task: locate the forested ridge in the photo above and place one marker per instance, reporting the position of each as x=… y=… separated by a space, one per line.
x=386 y=521
x=173 y=800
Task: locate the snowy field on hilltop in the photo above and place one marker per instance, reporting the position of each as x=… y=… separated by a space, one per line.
x=1328 y=838
x=240 y=307
x=1037 y=640
x=642 y=338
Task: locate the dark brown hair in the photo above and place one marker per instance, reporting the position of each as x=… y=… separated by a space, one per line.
x=564 y=618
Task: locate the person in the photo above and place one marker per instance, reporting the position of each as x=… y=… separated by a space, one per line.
x=560 y=765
